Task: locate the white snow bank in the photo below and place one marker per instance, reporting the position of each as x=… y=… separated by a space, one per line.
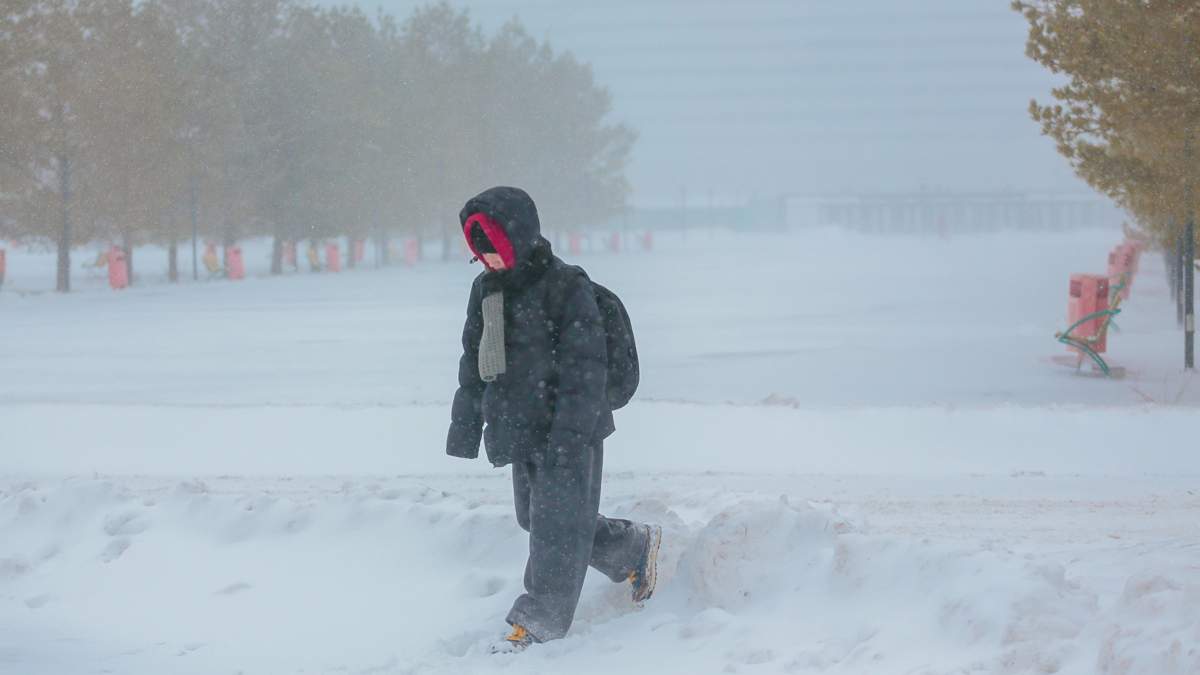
x=393 y=576
x=827 y=596
x=187 y=577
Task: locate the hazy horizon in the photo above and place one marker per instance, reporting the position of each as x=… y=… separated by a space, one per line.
x=774 y=97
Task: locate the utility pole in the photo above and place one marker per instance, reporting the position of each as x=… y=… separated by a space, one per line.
x=1188 y=253
x=1170 y=260
x=64 y=235
x=1189 y=307
x=1180 y=274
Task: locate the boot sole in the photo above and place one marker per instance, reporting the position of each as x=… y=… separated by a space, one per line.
x=651 y=571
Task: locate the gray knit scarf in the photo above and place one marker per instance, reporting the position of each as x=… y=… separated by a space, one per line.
x=491 y=346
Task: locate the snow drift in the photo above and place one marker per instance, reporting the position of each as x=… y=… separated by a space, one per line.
x=196 y=576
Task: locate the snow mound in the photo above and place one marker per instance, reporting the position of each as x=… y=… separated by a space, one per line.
x=1155 y=627
x=209 y=576
x=775 y=587
x=191 y=576
x=808 y=590
x=755 y=551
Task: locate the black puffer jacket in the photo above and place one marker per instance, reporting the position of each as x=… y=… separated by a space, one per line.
x=551 y=400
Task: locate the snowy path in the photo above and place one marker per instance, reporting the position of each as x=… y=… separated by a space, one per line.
x=868 y=469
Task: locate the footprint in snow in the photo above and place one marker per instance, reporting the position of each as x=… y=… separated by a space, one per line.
x=233 y=588
x=27 y=506
x=124 y=524
x=38 y=601
x=190 y=647
x=11 y=568
x=751 y=656
x=115 y=549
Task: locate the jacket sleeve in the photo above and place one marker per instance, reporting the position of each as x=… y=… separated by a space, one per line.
x=582 y=370
x=466 y=414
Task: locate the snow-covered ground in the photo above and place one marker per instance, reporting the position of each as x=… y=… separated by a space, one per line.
x=864 y=457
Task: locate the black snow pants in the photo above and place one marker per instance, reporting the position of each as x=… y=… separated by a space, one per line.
x=559 y=507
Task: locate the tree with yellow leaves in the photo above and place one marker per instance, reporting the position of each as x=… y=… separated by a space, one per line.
x=1128 y=115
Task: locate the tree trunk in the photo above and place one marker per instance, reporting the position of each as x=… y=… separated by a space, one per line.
x=228 y=242
x=192 y=212
x=64 y=236
x=385 y=256
x=129 y=260
x=350 y=252
x=277 y=256
x=173 y=262
x=1169 y=260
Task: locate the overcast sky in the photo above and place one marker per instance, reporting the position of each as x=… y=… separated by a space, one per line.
x=763 y=97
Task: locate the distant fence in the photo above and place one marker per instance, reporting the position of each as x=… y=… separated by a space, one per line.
x=950 y=212
x=754 y=215
x=913 y=212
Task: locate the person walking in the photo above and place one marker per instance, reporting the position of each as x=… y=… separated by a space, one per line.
x=547 y=356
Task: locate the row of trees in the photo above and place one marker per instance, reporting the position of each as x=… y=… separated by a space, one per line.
x=133 y=121
x=1128 y=113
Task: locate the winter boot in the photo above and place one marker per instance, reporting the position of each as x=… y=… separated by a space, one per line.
x=516 y=641
x=645 y=575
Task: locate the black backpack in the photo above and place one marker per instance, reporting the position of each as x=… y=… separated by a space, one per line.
x=623 y=372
